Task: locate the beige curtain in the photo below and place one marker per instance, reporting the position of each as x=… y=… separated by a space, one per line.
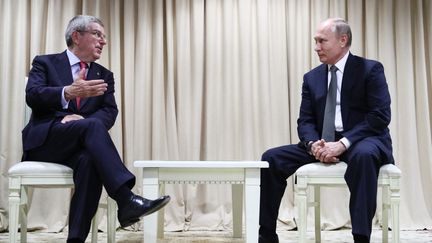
x=221 y=80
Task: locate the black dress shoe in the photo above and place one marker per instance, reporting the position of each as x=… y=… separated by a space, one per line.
x=74 y=241
x=138 y=207
x=264 y=239
x=361 y=239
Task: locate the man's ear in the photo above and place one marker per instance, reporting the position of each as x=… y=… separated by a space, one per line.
x=343 y=40
x=75 y=37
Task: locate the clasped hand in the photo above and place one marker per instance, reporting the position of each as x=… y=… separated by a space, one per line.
x=85 y=88
x=327 y=152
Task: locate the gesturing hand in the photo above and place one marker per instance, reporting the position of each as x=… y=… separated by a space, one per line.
x=85 y=88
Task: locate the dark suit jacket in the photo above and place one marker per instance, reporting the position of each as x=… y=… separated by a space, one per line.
x=365 y=104
x=48 y=76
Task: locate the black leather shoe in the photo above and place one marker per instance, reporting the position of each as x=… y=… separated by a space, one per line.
x=74 y=241
x=264 y=239
x=138 y=207
x=361 y=239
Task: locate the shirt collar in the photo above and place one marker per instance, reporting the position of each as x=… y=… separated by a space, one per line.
x=73 y=59
x=341 y=63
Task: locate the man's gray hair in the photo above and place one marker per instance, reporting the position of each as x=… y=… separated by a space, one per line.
x=79 y=23
x=341 y=27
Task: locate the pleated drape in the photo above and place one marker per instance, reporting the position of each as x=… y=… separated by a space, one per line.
x=221 y=80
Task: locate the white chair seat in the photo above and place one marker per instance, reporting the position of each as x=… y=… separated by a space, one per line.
x=27 y=174
x=41 y=168
x=321 y=169
x=315 y=175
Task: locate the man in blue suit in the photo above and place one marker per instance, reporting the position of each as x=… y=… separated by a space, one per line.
x=359 y=131
x=73 y=107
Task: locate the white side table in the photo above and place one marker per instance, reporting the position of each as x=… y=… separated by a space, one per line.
x=241 y=174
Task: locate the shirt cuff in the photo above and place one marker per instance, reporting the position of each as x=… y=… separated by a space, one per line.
x=345 y=142
x=64 y=102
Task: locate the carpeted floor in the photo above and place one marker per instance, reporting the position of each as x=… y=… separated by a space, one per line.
x=123 y=236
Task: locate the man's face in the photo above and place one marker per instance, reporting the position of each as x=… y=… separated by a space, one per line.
x=89 y=43
x=329 y=47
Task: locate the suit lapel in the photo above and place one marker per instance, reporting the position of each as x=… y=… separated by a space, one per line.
x=349 y=73
x=348 y=81
x=322 y=88
x=64 y=69
x=94 y=71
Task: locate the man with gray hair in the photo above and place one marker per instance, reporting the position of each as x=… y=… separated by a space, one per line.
x=73 y=107
x=344 y=116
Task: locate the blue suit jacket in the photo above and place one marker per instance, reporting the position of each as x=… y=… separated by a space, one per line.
x=48 y=76
x=365 y=104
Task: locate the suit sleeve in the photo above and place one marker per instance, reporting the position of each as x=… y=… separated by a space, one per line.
x=40 y=95
x=307 y=121
x=107 y=112
x=377 y=113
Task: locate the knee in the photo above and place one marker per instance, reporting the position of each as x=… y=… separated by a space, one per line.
x=91 y=125
x=275 y=157
x=364 y=154
x=364 y=159
x=269 y=155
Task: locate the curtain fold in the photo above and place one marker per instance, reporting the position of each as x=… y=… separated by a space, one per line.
x=221 y=80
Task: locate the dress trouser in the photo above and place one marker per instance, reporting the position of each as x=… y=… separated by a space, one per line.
x=85 y=146
x=363 y=160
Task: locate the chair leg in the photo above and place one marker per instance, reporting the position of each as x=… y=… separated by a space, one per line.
x=237 y=209
x=23 y=220
x=301 y=197
x=385 y=208
x=394 y=202
x=317 y=206
x=23 y=213
x=111 y=222
x=94 y=228
x=111 y=219
x=161 y=216
x=14 y=208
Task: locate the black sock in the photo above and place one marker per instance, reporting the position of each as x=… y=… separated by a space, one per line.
x=123 y=195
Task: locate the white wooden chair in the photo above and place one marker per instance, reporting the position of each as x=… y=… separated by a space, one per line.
x=316 y=175
x=26 y=174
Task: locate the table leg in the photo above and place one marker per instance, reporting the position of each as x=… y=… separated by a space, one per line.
x=237 y=209
x=252 y=199
x=150 y=191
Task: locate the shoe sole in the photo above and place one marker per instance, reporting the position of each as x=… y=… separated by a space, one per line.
x=129 y=222
x=134 y=220
x=161 y=205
